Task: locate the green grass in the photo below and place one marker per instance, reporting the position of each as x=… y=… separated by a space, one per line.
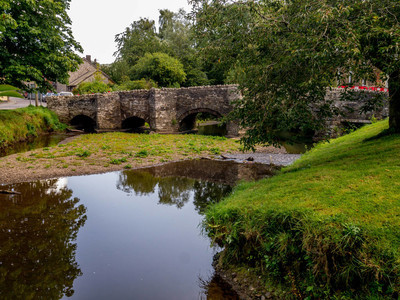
x=327 y=225
x=23 y=123
x=109 y=150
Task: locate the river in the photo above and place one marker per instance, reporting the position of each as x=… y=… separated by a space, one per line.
x=122 y=235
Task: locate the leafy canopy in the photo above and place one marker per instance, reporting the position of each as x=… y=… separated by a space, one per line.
x=286 y=54
x=36 y=42
x=174 y=37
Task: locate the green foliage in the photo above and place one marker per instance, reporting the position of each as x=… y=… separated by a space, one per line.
x=83 y=153
x=331 y=219
x=118 y=161
x=93 y=87
x=137 y=40
x=174 y=38
x=36 y=43
x=22 y=123
x=215 y=151
x=136 y=85
x=162 y=68
x=118 y=71
x=142 y=153
x=285 y=54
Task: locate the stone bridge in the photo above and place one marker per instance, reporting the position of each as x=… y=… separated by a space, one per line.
x=170 y=110
x=166 y=110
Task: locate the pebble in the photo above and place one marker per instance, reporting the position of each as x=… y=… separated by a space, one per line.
x=278 y=159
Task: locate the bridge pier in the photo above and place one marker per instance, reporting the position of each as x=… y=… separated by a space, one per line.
x=232 y=129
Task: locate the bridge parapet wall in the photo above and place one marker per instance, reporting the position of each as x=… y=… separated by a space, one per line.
x=351 y=103
x=69 y=107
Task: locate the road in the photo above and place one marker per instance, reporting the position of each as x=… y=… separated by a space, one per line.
x=18 y=103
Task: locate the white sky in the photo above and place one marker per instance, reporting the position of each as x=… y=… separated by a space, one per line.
x=96 y=22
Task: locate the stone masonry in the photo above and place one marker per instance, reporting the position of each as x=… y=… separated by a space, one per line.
x=165 y=110
x=168 y=110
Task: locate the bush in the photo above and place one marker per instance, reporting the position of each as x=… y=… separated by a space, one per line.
x=142 y=84
x=162 y=68
x=91 y=88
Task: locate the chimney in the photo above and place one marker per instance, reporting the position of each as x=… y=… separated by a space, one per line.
x=89 y=58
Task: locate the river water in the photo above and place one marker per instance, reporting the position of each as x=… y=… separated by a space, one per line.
x=41 y=141
x=121 y=235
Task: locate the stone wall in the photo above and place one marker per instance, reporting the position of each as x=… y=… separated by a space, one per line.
x=167 y=109
x=350 y=106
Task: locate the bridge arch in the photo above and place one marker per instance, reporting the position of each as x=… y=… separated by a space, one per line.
x=187 y=120
x=134 y=124
x=83 y=122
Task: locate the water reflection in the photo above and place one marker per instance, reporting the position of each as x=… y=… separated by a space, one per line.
x=38 y=230
x=209 y=181
x=140 y=238
x=173 y=190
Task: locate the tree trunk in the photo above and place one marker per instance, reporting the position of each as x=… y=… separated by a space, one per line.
x=394 y=101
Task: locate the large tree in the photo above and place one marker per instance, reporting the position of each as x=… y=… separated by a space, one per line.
x=36 y=42
x=173 y=37
x=285 y=54
x=137 y=40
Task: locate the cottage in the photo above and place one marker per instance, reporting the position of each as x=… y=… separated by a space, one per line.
x=88 y=71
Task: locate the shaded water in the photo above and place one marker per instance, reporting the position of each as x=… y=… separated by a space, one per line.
x=213 y=128
x=121 y=235
x=41 y=141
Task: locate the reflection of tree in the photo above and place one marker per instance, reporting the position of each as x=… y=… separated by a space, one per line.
x=37 y=234
x=173 y=190
x=206 y=192
x=139 y=182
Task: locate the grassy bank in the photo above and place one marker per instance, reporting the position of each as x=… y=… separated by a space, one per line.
x=21 y=124
x=329 y=225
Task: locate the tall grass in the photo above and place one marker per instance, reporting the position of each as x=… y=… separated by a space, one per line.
x=327 y=226
x=24 y=123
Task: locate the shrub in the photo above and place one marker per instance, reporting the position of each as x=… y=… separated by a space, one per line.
x=162 y=68
x=142 y=84
x=91 y=88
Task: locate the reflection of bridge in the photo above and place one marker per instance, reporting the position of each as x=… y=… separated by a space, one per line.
x=174 y=110
x=165 y=110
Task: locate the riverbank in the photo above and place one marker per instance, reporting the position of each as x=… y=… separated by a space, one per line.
x=24 y=123
x=100 y=153
x=326 y=226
